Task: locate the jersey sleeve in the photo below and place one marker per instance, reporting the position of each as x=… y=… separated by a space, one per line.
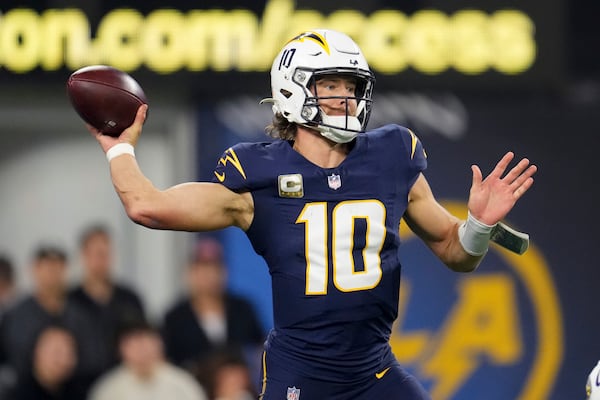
x=231 y=170
x=407 y=151
x=417 y=158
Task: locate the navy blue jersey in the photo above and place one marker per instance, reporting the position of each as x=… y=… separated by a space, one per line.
x=330 y=239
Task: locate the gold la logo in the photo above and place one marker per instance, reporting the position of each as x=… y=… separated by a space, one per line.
x=485 y=327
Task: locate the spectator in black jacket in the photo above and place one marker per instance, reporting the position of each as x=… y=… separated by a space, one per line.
x=108 y=304
x=46 y=306
x=209 y=318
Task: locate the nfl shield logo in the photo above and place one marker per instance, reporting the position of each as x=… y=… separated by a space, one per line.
x=293 y=393
x=334 y=181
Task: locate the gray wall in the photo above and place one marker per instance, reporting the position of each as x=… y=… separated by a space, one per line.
x=54 y=181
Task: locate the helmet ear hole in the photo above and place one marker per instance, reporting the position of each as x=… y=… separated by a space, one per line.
x=286 y=93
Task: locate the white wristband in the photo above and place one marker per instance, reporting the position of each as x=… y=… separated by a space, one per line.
x=118 y=150
x=474 y=236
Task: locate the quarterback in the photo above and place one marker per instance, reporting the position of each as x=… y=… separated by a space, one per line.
x=322 y=204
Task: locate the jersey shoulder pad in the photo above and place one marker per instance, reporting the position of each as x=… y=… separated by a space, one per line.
x=404 y=142
x=240 y=165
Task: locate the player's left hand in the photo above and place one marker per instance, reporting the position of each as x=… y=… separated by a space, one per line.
x=490 y=199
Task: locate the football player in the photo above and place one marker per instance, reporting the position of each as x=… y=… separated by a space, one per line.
x=322 y=204
x=592 y=387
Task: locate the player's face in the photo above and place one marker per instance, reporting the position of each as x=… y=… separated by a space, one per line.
x=341 y=87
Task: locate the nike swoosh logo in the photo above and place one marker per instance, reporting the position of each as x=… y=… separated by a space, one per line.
x=380 y=375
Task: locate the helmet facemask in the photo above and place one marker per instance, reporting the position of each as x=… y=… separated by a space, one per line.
x=338 y=128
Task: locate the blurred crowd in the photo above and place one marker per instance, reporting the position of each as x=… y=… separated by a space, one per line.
x=93 y=340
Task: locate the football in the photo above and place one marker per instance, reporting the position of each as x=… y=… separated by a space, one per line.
x=105 y=97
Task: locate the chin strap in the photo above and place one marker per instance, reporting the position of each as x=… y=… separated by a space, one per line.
x=339 y=128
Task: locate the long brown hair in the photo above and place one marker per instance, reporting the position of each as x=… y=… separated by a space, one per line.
x=281 y=128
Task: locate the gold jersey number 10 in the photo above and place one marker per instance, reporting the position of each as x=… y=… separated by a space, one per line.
x=345 y=276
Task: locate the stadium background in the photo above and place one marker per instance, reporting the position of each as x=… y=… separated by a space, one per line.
x=522 y=328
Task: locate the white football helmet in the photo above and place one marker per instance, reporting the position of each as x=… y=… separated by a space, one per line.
x=304 y=59
x=593 y=384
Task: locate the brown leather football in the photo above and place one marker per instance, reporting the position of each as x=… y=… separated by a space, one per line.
x=105 y=97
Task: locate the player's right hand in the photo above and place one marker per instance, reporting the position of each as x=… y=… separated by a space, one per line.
x=129 y=135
